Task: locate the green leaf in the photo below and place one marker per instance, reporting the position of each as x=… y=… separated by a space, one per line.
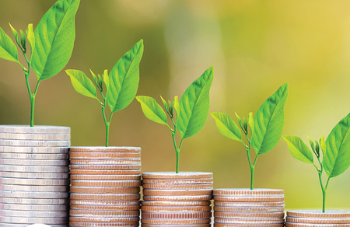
x=100 y=82
x=227 y=126
x=171 y=109
x=124 y=79
x=323 y=145
x=176 y=105
x=269 y=121
x=251 y=121
x=15 y=34
x=23 y=41
x=239 y=121
x=337 y=158
x=298 y=149
x=95 y=78
x=106 y=79
x=152 y=109
x=54 y=39
x=311 y=143
x=194 y=105
x=245 y=125
x=317 y=148
x=31 y=36
x=165 y=104
x=8 y=50
x=81 y=83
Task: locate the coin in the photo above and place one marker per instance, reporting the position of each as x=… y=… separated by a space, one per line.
x=262 y=215
x=34 y=201
x=154 y=192
x=248 y=192
x=175 y=221
x=178 y=186
x=33 y=188
x=35 y=169
x=34 y=156
x=104 y=207
x=105 y=183
x=105 y=155
x=105 y=172
x=113 y=203
x=30 y=207
x=318 y=220
x=36 y=129
x=195 y=225
x=32 y=214
x=249 y=225
x=249 y=220
x=36 y=136
x=38 y=175
x=174 y=215
x=173 y=175
x=248 y=199
x=103 y=224
x=318 y=214
x=26 y=225
x=105 y=149
x=248 y=209
x=34 y=150
x=175 y=203
x=251 y=204
x=177 y=198
x=31 y=162
x=35 y=143
x=164 y=209
x=106 y=167
x=78 y=196
x=103 y=219
x=104 y=177
x=105 y=162
x=104 y=213
x=18 y=181
x=178 y=181
x=34 y=195
x=22 y=220
x=105 y=190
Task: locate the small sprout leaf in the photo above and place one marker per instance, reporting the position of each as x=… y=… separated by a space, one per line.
x=100 y=82
x=15 y=34
x=239 y=121
x=171 y=108
x=176 y=105
x=152 y=110
x=311 y=144
x=31 y=36
x=323 y=145
x=8 y=50
x=227 y=126
x=23 y=41
x=299 y=149
x=81 y=83
x=106 y=79
x=245 y=125
x=317 y=149
x=251 y=121
x=94 y=77
x=165 y=104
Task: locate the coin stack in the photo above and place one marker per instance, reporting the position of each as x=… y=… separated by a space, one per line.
x=315 y=218
x=245 y=207
x=105 y=186
x=34 y=179
x=172 y=199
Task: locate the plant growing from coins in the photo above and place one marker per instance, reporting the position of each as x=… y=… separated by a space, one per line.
x=118 y=88
x=265 y=128
x=187 y=116
x=51 y=45
x=332 y=155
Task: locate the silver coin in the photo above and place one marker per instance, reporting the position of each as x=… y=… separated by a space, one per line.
x=31 y=136
x=34 y=201
x=31 y=162
x=30 y=207
x=36 y=129
x=47 y=221
x=35 y=143
x=35 y=169
x=37 y=175
x=33 y=188
x=33 y=214
x=26 y=225
x=34 y=156
x=49 y=182
x=34 y=150
x=34 y=195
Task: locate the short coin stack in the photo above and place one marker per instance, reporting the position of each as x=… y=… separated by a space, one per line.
x=34 y=175
x=181 y=199
x=105 y=186
x=245 y=207
x=315 y=218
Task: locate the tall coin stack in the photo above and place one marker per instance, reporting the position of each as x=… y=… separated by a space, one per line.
x=245 y=207
x=181 y=199
x=315 y=218
x=105 y=186
x=34 y=179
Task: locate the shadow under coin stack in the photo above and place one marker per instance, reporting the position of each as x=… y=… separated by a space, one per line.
x=315 y=218
x=181 y=199
x=34 y=179
x=105 y=186
x=245 y=207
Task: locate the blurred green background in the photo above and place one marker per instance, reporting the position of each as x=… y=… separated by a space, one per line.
x=254 y=46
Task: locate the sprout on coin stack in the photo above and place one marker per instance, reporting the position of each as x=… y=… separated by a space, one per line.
x=105 y=181
x=253 y=207
x=179 y=198
x=332 y=159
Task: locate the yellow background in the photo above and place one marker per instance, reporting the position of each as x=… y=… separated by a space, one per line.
x=254 y=46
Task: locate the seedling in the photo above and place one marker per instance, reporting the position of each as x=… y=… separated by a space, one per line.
x=118 y=88
x=264 y=129
x=51 y=45
x=332 y=155
x=187 y=116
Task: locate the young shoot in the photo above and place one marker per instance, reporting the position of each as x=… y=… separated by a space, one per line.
x=262 y=132
x=187 y=116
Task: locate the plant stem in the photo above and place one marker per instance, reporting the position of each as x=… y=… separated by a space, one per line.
x=107 y=123
x=323 y=187
x=251 y=165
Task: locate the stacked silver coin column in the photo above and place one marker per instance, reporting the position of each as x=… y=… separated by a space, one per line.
x=105 y=186
x=245 y=207
x=34 y=175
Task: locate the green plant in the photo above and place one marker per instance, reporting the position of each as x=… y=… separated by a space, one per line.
x=188 y=115
x=333 y=155
x=51 y=45
x=265 y=128
x=117 y=89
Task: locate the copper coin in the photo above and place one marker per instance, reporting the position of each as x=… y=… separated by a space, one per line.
x=31 y=162
x=164 y=209
x=36 y=129
x=113 y=203
x=287 y=224
x=248 y=199
x=103 y=219
x=178 y=198
x=318 y=220
x=106 y=167
x=104 y=190
x=35 y=143
x=105 y=149
x=34 y=195
x=194 y=225
x=174 y=215
x=104 y=224
x=248 y=209
x=104 y=162
x=178 y=186
x=250 y=225
x=49 y=169
x=21 y=220
x=220 y=214
x=105 y=155
x=154 y=192
x=178 y=181
x=175 y=203
x=319 y=214
x=34 y=201
x=29 y=207
x=33 y=188
x=105 y=207
x=105 y=183
x=245 y=192
x=77 y=196
x=104 y=177
x=34 y=150
x=104 y=213
x=249 y=220
x=175 y=221
x=34 y=156
x=34 y=136
x=250 y=204
x=105 y=172
x=173 y=175
x=37 y=175
x=19 y=181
